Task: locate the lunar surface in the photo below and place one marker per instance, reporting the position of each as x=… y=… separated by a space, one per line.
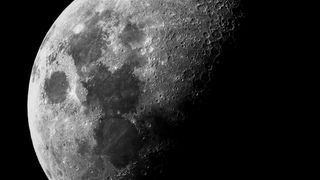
x=110 y=79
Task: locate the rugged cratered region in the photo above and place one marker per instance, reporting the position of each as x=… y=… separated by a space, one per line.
x=110 y=81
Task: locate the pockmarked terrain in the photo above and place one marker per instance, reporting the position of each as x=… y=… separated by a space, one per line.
x=110 y=80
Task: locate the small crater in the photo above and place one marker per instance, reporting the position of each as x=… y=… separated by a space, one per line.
x=206 y=35
x=48 y=173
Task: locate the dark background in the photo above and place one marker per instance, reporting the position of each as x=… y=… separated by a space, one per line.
x=232 y=136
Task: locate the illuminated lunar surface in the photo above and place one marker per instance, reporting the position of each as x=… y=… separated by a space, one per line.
x=110 y=80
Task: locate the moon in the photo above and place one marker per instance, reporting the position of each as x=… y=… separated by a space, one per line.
x=110 y=80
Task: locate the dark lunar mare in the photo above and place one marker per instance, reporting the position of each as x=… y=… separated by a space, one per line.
x=56 y=86
x=116 y=93
x=131 y=34
x=86 y=46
